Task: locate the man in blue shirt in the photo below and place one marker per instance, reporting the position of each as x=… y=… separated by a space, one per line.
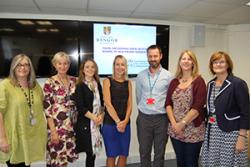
x=152 y=124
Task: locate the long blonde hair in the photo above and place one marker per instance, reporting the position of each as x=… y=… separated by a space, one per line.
x=31 y=77
x=195 y=68
x=125 y=63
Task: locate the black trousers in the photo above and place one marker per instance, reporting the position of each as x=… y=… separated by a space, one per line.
x=16 y=165
x=90 y=159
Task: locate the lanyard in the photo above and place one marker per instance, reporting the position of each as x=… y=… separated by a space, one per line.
x=29 y=98
x=151 y=87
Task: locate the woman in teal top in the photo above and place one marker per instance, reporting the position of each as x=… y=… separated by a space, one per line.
x=22 y=121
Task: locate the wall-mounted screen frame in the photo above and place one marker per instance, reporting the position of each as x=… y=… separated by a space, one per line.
x=41 y=39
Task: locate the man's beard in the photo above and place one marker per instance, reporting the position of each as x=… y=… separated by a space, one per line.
x=154 y=64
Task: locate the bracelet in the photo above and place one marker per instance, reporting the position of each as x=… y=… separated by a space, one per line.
x=117 y=121
x=184 y=122
x=243 y=136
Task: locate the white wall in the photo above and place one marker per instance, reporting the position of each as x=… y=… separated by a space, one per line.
x=239 y=50
x=216 y=38
x=232 y=39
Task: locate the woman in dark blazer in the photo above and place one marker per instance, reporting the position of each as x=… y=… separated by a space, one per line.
x=228 y=116
x=88 y=98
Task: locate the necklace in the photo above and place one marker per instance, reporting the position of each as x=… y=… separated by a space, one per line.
x=184 y=80
x=30 y=101
x=66 y=87
x=63 y=83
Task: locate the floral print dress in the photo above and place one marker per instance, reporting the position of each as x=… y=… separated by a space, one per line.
x=59 y=107
x=182 y=100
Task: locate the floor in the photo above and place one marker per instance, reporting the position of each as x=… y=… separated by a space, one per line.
x=168 y=163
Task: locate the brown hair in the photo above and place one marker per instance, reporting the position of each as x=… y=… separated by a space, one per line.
x=81 y=76
x=218 y=55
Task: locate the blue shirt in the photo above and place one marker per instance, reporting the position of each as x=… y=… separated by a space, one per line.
x=152 y=86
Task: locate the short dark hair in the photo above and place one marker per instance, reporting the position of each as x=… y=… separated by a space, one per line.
x=154 y=47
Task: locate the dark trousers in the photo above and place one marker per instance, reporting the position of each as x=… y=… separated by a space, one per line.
x=187 y=154
x=16 y=165
x=152 y=131
x=90 y=159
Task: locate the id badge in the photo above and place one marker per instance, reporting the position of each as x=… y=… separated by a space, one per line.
x=32 y=121
x=150 y=101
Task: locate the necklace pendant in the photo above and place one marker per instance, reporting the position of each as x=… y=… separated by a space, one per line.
x=32 y=120
x=184 y=80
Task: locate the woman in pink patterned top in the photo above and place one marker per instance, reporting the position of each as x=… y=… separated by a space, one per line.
x=185 y=100
x=59 y=108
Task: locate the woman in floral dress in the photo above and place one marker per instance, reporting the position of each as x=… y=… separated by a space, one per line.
x=59 y=107
x=185 y=100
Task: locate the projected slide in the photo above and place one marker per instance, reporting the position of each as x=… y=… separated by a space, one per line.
x=130 y=41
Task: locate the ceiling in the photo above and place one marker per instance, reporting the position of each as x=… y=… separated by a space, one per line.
x=222 y=12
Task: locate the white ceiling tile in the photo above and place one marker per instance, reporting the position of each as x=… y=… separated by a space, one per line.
x=108 y=13
x=150 y=15
x=71 y=4
x=18 y=9
x=199 y=11
x=65 y=11
x=24 y=3
x=164 y=6
x=122 y=5
x=242 y=13
x=189 y=19
x=204 y=9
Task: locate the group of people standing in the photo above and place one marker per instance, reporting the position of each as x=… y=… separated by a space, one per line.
x=73 y=109
x=207 y=123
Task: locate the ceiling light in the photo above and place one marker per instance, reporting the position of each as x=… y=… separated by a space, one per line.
x=44 y=22
x=54 y=30
x=41 y=30
x=25 y=22
x=7 y=29
x=248 y=3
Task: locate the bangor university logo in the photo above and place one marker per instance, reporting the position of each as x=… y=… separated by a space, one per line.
x=106 y=30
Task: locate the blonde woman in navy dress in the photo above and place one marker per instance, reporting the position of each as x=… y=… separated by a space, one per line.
x=117 y=93
x=226 y=138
